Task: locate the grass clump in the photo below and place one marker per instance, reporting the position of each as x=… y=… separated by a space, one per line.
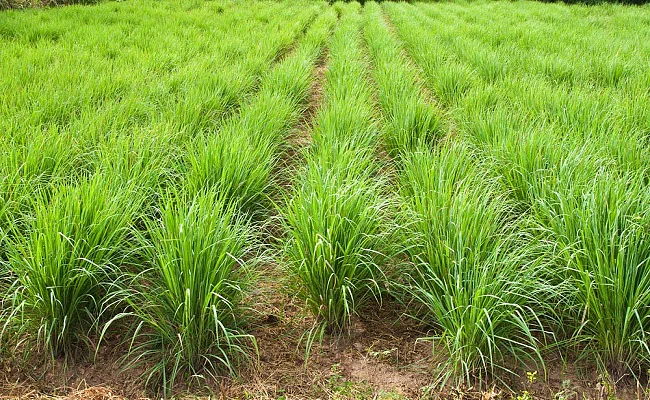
x=186 y=308
x=335 y=236
x=600 y=239
x=64 y=259
x=471 y=277
x=233 y=166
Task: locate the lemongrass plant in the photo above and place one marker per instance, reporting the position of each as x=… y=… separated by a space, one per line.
x=185 y=305
x=473 y=277
x=66 y=256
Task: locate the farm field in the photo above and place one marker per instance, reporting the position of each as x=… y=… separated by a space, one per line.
x=301 y=200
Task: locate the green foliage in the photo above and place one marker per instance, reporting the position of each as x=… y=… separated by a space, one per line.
x=65 y=257
x=238 y=160
x=565 y=144
x=187 y=303
x=473 y=275
x=410 y=122
x=185 y=306
x=334 y=220
x=335 y=236
x=600 y=240
x=142 y=145
x=230 y=164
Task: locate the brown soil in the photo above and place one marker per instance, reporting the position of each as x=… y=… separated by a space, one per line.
x=382 y=355
x=299 y=138
x=378 y=359
x=75 y=379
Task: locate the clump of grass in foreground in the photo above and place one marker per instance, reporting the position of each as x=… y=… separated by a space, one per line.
x=471 y=276
x=30 y=165
x=187 y=303
x=335 y=235
x=64 y=259
x=600 y=237
x=229 y=163
x=594 y=222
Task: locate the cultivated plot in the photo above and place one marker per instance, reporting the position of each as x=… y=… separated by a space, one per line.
x=303 y=199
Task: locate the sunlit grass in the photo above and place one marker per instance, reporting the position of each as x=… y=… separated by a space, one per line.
x=335 y=219
x=565 y=143
x=473 y=275
x=335 y=238
x=410 y=121
x=65 y=256
x=484 y=163
x=185 y=306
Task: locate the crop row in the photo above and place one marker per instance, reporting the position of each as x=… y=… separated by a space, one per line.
x=333 y=220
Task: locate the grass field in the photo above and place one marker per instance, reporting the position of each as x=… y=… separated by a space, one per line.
x=296 y=199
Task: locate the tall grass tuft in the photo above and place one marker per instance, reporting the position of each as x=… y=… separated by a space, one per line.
x=65 y=257
x=335 y=236
x=600 y=239
x=187 y=302
x=472 y=276
x=229 y=163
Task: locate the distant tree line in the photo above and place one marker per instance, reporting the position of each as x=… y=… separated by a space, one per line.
x=595 y=2
x=7 y=4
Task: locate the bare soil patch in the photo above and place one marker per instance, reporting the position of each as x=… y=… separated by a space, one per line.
x=378 y=359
